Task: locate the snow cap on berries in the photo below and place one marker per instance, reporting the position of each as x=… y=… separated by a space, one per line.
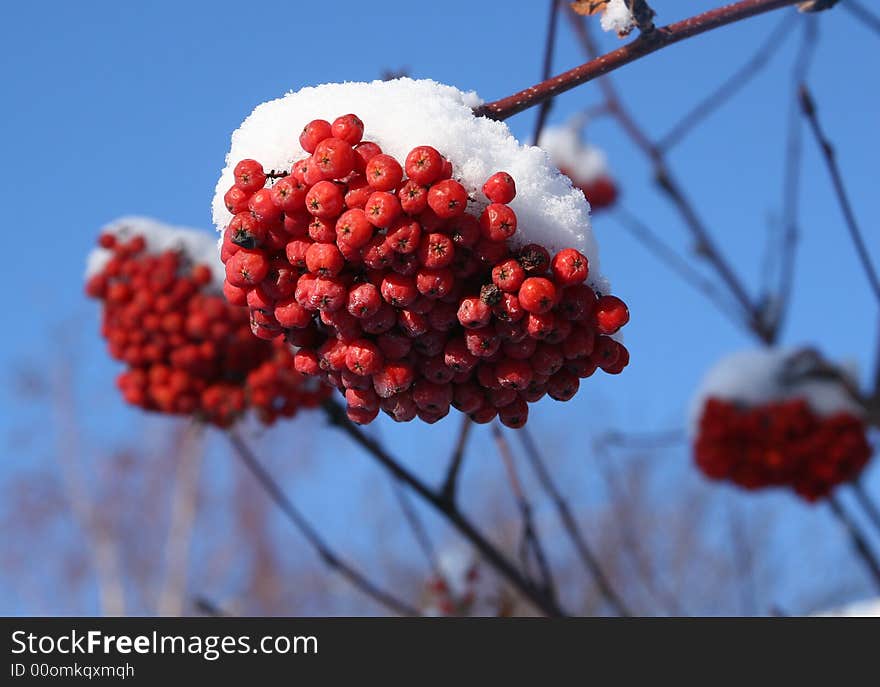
x=198 y=246
x=580 y=160
x=404 y=113
x=758 y=377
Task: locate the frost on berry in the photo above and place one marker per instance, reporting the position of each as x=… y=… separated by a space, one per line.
x=189 y=350
x=418 y=258
x=769 y=419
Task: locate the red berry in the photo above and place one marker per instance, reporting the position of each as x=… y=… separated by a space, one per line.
x=413 y=197
x=324 y=200
x=289 y=195
x=432 y=397
x=436 y=251
x=365 y=151
x=363 y=357
x=534 y=258
x=358 y=192
x=404 y=236
x=249 y=176
x=364 y=300
x=569 y=267
x=473 y=313
x=499 y=188
x=247 y=268
x=498 y=222
x=353 y=228
x=246 y=231
x=235 y=199
x=562 y=386
x=398 y=290
x=292 y=315
x=447 y=199
x=334 y=158
x=348 y=128
x=262 y=205
x=384 y=173
x=514 y=414
x=313 y=133
x=434 y=283
x=424 y=165
x=324 y=259
x=382 y=208
x=464 y=231
x=537 y=295
x=611 y=314
x=508 y=275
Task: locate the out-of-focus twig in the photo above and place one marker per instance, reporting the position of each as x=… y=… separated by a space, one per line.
x=589 y=559
x=859 y=543
x=327 y=555
x=863 y=14
x=450 y=484
x=729 y=87
x=549 y=46
x=867 y=503
x=531 y=540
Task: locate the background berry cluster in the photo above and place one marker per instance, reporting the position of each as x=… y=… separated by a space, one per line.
x=187 y=350
x=780 y=444
x=392 y=292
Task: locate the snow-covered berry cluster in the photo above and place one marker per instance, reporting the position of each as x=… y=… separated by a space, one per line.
x=762 y=420
x=187 y=351
x=584 y=164
x=403 y=292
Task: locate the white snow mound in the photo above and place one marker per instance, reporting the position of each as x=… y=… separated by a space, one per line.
x=199 y=246
x=583 y=162
x=757 y=377
x=404 y=113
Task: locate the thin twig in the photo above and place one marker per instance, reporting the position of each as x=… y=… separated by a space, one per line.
x=675 y=262
x=417 y=527
x=450 y=484
x=808 y=108
x=791 y=185
x=728 y=88
x=531 y=540
x=863 y=14
x=859 y=544
x=704 y=246
x=645 y=44
x=549 y=46
x=504 y=567
x=329 y=557
x=589 y=559
x=867 y=503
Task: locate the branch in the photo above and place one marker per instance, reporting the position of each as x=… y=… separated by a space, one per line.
x=645 y=44
x=867 y=503
x=531 y=539
x=507 y=570
x=729 y=87
x=549 y=46
x=860 y=545
x=588 y=558
x=330 y=559
x=417 y=527
x=863 y=14
x=704 y=246
x=447 y=491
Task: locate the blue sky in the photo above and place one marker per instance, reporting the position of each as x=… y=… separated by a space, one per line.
x=120 y=108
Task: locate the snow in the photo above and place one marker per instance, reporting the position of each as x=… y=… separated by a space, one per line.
x=618 y=18
x=583 y=162
x=756 y=377
x=199 y=246
x=866 y=608
x=403 y=113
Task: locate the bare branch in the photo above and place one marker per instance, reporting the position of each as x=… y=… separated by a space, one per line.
x=645 y=44
x=859 y=544
x=531 y=539
x=728 y=88
x=549 y=45
x=507 y=570
x=588 y=558
x=863 y=14
x=448 y=490
x=417 y=527
x=867 y=503
x=328 y=556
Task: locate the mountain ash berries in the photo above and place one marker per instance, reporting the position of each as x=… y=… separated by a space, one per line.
x=188 y=351
x=393 y=285
x=780 y=444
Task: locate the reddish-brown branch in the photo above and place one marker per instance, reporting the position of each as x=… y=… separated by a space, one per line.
x=645 y=44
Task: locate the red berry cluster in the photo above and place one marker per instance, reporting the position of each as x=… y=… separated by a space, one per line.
x=780 y=444
x=456 y=601
x=189 y=352
x=397 y=296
